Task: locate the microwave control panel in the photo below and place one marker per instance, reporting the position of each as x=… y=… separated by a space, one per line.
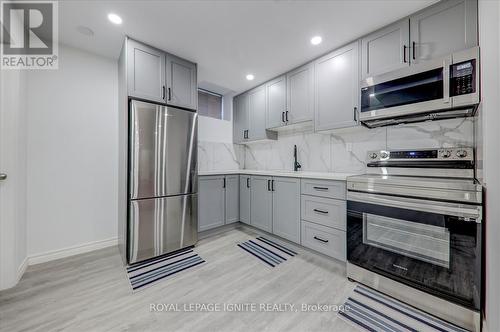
x=463 y=78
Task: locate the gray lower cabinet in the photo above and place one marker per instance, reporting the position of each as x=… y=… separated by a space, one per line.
x=245 y=199
x=300 y=94
x=337 y=89
x=286 y=208
x=182 y=85
x=386 y=49
x=327 y=240
x=261 y=207
x=447 y=27
x=145 y=71
x=232 y=198
x=276 y=103
x=211 y=202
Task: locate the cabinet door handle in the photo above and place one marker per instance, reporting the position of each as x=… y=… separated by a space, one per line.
x=268 y=185
x=163 y=92
x=286 y=116
x=169 y=94
x=282 y=116
x=320 y=239
x=355 y=114
x=413 y=50
x=224 y=183
x=404 y=53
x=320 y=188
x=320 y=211
x=272 y=185
x=248 y=182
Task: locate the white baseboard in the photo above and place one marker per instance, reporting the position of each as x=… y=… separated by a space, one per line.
x=22 y=268
x=71 y=251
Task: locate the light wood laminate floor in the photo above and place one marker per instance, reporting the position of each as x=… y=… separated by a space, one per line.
x=91 y=292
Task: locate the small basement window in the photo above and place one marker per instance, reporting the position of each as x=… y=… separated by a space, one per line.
x=210 y=104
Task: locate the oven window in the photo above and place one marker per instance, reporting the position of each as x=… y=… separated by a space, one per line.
x=403 y=91
x=428 y=243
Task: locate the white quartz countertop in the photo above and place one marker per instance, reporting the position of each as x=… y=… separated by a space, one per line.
x=299 y=174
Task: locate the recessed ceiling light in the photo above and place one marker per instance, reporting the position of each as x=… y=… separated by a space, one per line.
x=114 y=18
x=250 y=77
x=316 y=40
x=85 y=30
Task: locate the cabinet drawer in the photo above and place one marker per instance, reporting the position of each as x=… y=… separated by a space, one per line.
x=325 y=211
x=324 y=188
x=329 y=241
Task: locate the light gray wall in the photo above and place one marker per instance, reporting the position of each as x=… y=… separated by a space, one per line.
x=72 y=152
x=489 y=39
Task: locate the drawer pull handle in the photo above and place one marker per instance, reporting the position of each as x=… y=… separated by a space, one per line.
x=320 y=211
x=320 y=239
x=320 y=188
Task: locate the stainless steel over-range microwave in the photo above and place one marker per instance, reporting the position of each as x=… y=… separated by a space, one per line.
x=436 y=89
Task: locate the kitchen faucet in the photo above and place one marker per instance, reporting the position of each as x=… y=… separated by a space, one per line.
x=296 y=164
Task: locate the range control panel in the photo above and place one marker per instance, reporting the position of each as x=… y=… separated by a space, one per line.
x=463 y=78
x=442 y=154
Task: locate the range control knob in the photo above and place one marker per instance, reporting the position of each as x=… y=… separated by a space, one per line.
x=384 y=155
x=446 y=153
x=461 y=153
x=373 y=155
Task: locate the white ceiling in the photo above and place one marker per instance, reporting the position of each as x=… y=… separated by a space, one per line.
x=229 y=39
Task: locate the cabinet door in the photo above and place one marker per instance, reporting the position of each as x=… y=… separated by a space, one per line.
x=385 y=50
x=300 y=94
x=232 y=184
x=257 y=113
x=245 y=199
x=146 y=72
x=337 y=89
x=442 y=29
x=210 y=202
x=182 y=87
x=276 y=102
x=286 y=208
x=240 y=118
x=261 y=206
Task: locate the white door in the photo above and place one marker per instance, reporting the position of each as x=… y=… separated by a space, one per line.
x=12 y=176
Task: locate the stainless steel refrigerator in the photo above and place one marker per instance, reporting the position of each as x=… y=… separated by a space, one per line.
x=162 y=215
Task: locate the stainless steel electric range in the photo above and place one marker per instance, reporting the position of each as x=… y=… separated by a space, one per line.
x=414 y=230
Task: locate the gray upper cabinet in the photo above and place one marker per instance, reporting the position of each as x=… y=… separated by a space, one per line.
x=210 y=202
x=145 y=71
x=232 y=186
x=385 y=50
x=240 y=119
x=276 y=103
x=286 y=208
x=261 y=214
x=245 y=199
x=257 y=109
x=300 y=94
x=182 y=86
x=444 y=28
x=337 y=89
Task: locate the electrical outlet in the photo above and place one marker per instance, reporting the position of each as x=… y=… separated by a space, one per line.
x=348 y=147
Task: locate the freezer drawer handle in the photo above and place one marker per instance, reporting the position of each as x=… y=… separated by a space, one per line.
x=320 y=239
x=320 y=211
x=320 y=188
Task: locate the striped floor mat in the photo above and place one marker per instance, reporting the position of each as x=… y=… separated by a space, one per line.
x=150 y=271
x=373 y=311
x=267 y=251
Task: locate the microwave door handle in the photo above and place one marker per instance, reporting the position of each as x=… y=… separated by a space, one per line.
x=446 y=80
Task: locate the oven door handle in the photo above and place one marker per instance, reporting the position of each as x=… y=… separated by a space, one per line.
x=452 y=209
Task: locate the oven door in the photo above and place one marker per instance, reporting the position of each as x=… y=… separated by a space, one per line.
x=429 y=245
x=413 y=90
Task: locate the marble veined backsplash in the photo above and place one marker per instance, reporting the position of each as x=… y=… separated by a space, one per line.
x=343 y=150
